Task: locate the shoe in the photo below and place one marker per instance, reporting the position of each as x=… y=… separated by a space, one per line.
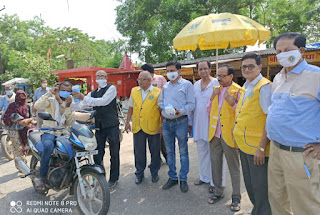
x=112 y=183
x=139 y=180
x=39 y=184
x=183 y=186
x=170 y=183
x=155 y=178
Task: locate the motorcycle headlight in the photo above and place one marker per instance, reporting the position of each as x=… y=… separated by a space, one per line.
x=88 y=143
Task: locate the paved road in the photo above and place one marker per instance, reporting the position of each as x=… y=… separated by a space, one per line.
x=127 y=198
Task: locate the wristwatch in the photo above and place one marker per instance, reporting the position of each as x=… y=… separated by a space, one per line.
x=261 y=149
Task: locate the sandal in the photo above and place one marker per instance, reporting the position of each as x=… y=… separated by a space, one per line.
x=235 y=205
x=214 y=198
x=212 y=189
x=199 y=182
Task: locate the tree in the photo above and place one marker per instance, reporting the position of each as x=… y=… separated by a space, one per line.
x=151 y=25
x=24 y=46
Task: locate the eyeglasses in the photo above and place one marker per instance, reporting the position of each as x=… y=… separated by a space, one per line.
x=250 y=67
x=100 y=76
x=221 y=76
x=142 y=79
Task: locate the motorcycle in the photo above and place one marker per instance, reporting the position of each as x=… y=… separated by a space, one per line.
x=71 y=166
x=6 y=144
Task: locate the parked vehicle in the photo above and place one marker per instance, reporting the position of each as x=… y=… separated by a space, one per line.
x=71 y=166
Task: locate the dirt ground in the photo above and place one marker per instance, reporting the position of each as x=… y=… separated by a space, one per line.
x=127 y=198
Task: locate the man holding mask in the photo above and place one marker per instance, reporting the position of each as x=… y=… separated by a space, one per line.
x=293 y=127
x=176 y=101
x=103 y=100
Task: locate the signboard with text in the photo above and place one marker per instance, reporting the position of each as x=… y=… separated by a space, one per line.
x=184 y=71
x=309 y=56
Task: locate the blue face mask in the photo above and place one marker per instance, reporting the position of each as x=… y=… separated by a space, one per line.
x=64 y=94
x=9 y=92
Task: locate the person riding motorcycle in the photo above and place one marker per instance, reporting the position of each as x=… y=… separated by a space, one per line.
x=18 y=119
x=56 y=102
x=7 y=99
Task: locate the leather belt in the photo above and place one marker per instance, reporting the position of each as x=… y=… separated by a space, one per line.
x=288 y=148
x=176 y=119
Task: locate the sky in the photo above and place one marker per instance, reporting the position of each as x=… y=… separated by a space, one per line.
x=94 y=17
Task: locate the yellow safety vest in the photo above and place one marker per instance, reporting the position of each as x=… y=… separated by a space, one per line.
x=226 y=115
x=146 y=115
x=250 y=121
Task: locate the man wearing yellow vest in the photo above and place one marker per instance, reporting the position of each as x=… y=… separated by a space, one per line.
x=250 y=135
x=221 y=107
x=143 y=108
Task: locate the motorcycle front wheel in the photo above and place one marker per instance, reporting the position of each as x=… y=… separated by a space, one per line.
x=7 y=147
x=97 y=199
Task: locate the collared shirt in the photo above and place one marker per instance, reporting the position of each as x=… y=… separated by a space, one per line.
x=4 y=103
x=144 y=94
x=39 y=92
x=180 y=95
x=107 y=97
x=294 y=114
x=199 y=117
x=265 y=93
x=158 y=81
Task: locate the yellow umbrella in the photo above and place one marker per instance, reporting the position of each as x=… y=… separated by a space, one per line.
x=217 y=31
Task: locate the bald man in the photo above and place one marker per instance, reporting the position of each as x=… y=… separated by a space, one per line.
x=145 y=125
x=103 y=100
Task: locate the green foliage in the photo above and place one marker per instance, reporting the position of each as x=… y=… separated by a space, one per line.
x=151 y=25
x=24 y=46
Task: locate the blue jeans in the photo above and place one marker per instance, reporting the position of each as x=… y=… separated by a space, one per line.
x=179 y=130
x=48 y=146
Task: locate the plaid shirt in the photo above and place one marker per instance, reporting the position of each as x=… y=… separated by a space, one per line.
x=158 y=81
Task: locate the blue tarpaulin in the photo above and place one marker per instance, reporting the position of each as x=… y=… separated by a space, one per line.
x=312 y=46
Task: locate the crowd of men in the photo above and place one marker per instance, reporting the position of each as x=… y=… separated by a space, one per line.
x=269 y=129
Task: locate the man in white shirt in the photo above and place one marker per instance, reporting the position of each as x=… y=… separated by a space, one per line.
x=103 y=100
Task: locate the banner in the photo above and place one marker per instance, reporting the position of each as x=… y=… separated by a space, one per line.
x=184 y=71
x=309 y=56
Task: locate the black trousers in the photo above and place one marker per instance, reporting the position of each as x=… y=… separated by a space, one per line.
x=114 y=147
x=140 y=156
x=256 y=182
x=163 y=149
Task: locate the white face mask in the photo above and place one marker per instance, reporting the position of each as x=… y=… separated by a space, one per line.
x=290 y=58
x=101 y=82
x=172 y=75
x=44 y=85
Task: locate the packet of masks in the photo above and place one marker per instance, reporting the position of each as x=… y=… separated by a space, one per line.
x=169 y=109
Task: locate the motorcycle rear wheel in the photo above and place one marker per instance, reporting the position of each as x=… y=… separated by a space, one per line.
x=97 y=200
x=6 y=146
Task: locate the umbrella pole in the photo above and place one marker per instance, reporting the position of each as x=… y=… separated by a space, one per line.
x=216 y=58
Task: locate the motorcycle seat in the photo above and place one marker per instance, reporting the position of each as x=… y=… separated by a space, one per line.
x=35 y=136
